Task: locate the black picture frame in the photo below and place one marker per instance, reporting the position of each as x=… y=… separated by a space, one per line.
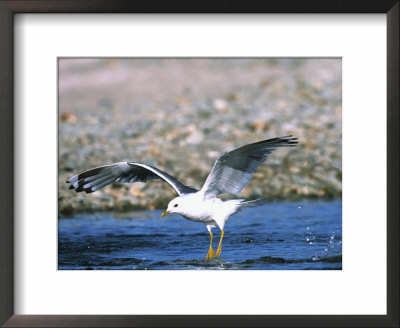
x=11 y=7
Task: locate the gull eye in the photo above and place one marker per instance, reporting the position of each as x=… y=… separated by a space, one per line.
x=176 y=205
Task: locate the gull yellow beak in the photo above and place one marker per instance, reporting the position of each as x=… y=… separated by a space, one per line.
x=165 y=213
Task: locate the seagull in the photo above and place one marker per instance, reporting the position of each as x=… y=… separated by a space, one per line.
x=231 y=172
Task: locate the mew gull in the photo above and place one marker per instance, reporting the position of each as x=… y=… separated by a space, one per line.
x=231 y=172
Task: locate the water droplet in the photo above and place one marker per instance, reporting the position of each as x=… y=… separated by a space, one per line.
x=299 y=206
x=310 y=242
x=308 y=228
x=315 y=258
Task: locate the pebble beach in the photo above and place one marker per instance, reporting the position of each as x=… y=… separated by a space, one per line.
x=181 y=114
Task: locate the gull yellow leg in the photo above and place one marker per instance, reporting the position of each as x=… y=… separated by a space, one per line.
x=220 y=243
x=211 y=252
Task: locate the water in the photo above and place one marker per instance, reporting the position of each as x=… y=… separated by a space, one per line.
x=275 y=236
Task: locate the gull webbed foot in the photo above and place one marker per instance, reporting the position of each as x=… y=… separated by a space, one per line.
x=210 y=254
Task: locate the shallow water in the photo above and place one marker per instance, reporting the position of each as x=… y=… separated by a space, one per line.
x=275 y=236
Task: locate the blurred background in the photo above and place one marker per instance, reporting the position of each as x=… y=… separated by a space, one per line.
x=180 y=114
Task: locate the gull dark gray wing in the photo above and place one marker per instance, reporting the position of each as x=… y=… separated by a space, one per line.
x=233 y=170
x=99 y=177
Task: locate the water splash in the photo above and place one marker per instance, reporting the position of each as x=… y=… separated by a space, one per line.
x=308 y=235
x=334 y=247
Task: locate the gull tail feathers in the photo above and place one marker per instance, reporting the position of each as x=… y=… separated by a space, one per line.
x=253 y=203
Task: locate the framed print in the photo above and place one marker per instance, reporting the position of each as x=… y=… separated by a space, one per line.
x=114 y=83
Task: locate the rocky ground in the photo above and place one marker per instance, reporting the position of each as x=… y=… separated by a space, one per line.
x=180 y=114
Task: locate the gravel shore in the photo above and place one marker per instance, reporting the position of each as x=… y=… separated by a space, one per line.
x=180 y=114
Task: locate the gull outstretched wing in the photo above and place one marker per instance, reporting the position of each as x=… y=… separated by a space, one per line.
x=99 y=177
x=233 y=170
